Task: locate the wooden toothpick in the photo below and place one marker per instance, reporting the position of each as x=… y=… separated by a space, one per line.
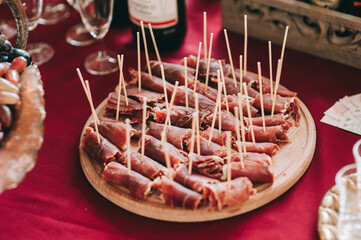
x=121 y=76
x=127 y=136
x=197 y=126
x=230 y=57
x=224 y=86
x=249 y=113
x=205 y=34
x=95 y=117
x=139 y=66
x=240 y=75
x=154 y=43
x=245 y=45
x=228 y=145
x=144 y=123
x=197 y=69
x=215 y=108
x=278 y=76
x=145 y=49
x=261 y=94
x=190 y=155
x=167 y=120
x=186 y=81
x=240 y=106
x=209 y=59
x=270 y=67
x=236 y=111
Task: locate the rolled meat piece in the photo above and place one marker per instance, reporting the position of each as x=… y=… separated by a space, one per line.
x=210 y=166
x=208 y=91
x=273 y=134
x=153 y=83
x=228 y=121
x=219 y=138
x=260 y=147
x=154 y=150
x=175 y=135
x=248 y=79
x=152 y=97
x=194 y=181
x=148 y=167
x=214 y=66
x=278 y=119
x=172 y=72
x=103 y=152
x=138 y=185
x=226 y=194
x=176 y=195
x=179 y=116
x=251 y=156
x=206 y=150
x=205 y=103
x=256 y=171
x=233 y=102
x=282 y=91
x=114 y=131
x=282 y=104
x=123 y=108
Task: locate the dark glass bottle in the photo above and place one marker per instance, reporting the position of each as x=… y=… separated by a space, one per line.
x=167 y=18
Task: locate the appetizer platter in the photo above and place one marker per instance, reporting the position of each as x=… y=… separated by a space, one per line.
x=21 y=106
x=196 y=140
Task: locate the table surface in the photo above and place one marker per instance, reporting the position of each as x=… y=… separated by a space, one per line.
x=55 y=200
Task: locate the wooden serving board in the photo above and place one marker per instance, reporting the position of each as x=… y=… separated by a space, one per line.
x=289 y=164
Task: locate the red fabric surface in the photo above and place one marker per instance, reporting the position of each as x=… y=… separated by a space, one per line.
x=55 y=200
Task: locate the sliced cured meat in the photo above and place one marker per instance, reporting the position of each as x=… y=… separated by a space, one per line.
x=206 y=150
x=172 y=72
x=226 y=194
x=273 y=134
x=248 y=79
x=175 y=135
x=138 y=185
x=153 y=83
x=233 y=102
x=228 y=121
x=214 y=66
x=194 y=181
x=132 y=104
x=114 y=131
x=133 y=92
x=278 y=119
x=208 y=92
x=263 y=147
x=154 y=150
x=176 y=195
x=219 y=138
x=282 y=104
x=256 y=171
x=252 y=156
x=148 y=167
x=103 y=152
x=204 y=102
x=282 y=91
x=210 y=166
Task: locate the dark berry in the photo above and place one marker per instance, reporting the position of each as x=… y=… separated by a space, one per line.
x=15 y=52
x=5 y=47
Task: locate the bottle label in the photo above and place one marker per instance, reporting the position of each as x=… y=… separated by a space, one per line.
x=159 y=13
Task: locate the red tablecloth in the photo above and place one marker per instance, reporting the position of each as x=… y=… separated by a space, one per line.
x=55 y=200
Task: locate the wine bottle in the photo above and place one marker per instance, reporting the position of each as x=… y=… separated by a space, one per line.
x=167 y=18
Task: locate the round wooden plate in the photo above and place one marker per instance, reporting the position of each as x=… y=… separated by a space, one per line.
x=289 y=164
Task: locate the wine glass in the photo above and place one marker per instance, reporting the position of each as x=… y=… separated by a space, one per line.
x=40 y=52
x=54 y=12
x=78 y=35
x=96 y=16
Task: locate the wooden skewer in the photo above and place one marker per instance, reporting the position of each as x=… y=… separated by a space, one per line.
x=270 y=67
x=186 y=81
x=261 y=94
x=191 y=152
x=240 y=104
x=95 y=117
x=238 y=136
x=164 y=87
x=276 y=86
x=228 y=143
x=127 y=136
x=166 y=154
x=224 y=86
x=220 y=115
x=139 y=66
x=146 y=49
x=284 y=46
x=120 y=62
x=154 y=43
x=205 y=34
x=249 y=113
x=119 y=90
x=197 y=126
x=86 y=92
x=209 y=59
x=245 y=45
x=144 y=123
x=240 y=75
x=215 y=108
x=230 y=57
x=167 y=120
x=197 y=68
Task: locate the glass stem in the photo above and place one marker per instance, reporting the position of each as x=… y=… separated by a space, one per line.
x=102 y=51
